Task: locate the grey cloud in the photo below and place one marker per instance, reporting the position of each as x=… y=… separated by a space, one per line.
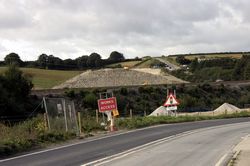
x=70 y=28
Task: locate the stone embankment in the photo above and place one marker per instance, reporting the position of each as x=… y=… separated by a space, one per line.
x=119 y=77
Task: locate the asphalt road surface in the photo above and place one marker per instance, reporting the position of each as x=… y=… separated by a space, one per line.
x=95 y=149
x=202 y=148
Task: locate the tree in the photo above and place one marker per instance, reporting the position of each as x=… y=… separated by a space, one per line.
x=94 y=60
x=247 y=72
x=82 y=61
x=50 y=62
x=194 y=64
x=182 y=60
x=15 y=88
x=116 y=57
x=13 y=58
x=70 y=64
x=238 y=72
x=42 y=61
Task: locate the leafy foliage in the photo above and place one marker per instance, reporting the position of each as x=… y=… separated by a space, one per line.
x=15 y=88
x=13 y=59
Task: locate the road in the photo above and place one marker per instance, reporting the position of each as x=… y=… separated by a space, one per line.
x=90 y=150
x=202 y=148
x=171 y=65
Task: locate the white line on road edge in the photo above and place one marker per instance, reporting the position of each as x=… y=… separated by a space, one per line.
x=82 y=142
x=222 y=160
x=153 y=143
x=231 y=155
x=133 y=150
x=86 y=141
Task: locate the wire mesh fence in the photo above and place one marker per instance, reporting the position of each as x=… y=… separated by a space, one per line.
x=61 y=114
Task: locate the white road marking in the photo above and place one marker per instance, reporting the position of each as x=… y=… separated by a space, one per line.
x=153 y=143
x=219 y=163
x=78 y=143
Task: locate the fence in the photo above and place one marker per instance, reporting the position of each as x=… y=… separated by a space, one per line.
x=61 y=114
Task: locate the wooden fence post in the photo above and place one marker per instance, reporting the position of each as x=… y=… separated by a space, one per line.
x=79 y=123
x=131 y=113
x=97 y=118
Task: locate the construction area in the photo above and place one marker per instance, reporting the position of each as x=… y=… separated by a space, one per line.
x=120 y=77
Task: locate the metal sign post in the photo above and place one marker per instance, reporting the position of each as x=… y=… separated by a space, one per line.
x=171 y=102
x=107 y=104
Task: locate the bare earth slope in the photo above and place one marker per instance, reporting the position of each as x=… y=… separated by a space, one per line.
x=118 y=77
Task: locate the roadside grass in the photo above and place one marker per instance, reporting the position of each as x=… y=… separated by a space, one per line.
x=27 y=135
x=32 y=134
x=139 y=122
x=45 y=79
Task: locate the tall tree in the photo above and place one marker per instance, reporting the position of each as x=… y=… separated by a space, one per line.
x=247 y=72
x=82 y=61
x=13 y=58
x=42 y=60
x=94 y=60
x=240 y=66
x=194 y=64
x=15 y=88
x=116 y=57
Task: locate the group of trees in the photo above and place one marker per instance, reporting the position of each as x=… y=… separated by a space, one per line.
x=14 y=92
x=182 y=60
x=225 y=63
x=94 y=60
x=242 y=68
x=203 y=97
x=216 y=69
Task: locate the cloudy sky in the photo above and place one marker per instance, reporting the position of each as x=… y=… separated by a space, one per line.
x=71 y=28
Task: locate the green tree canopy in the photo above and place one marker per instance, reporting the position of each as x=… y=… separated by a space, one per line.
x=82 y=61
x=116 y=57
x=15 y=88
x=94 y=60
x=13 y=58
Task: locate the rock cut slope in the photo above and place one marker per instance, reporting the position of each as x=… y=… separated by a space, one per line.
x=116 y=78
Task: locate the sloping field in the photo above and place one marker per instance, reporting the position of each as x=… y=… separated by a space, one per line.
x=172 y=58
x=146 y=63
x=45 y=79
x=116 y=78
x=125 y=64
x=213 y=56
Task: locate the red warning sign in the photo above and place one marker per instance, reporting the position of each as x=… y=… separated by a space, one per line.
x=171 y=101
x=108 y=104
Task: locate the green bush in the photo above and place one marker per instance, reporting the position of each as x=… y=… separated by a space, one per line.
x=27 y=135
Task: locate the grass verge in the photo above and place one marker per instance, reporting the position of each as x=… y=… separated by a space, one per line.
x=139 y=122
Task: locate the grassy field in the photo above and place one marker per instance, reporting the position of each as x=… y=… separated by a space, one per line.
x=172 y=59
x=125 y=64
x=213 y=56
x=147 y=63
x=44 y=79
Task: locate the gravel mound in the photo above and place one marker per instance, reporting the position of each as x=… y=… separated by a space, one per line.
x=227 y=108
x=117 y=77
x=161 y=111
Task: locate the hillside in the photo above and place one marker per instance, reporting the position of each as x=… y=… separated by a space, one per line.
x=207 y=56
x=118 y=77
x=45 y=79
